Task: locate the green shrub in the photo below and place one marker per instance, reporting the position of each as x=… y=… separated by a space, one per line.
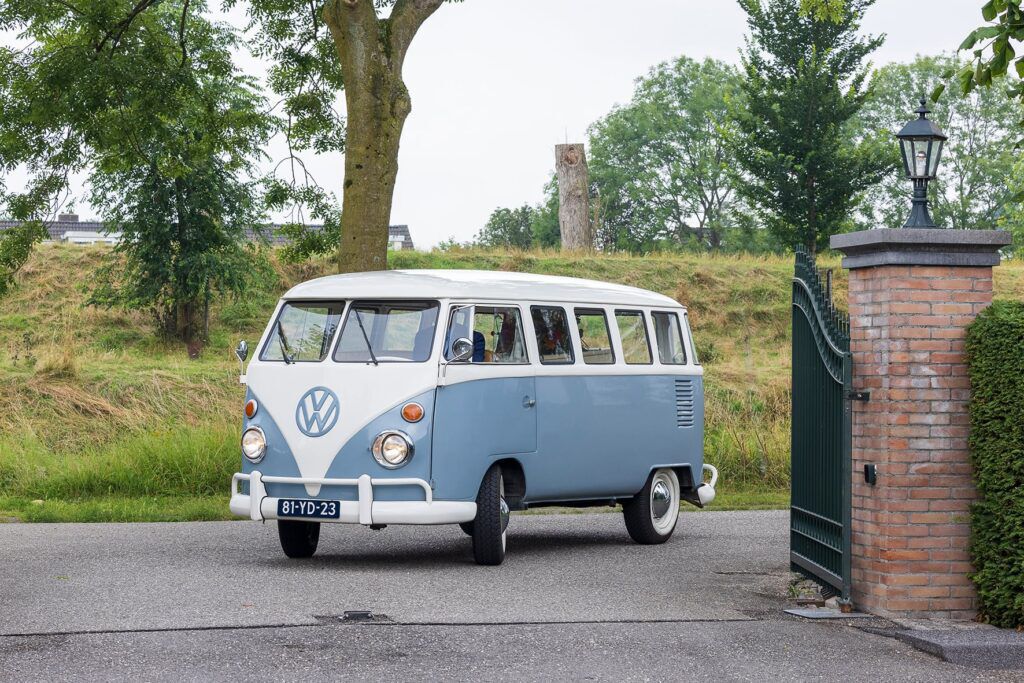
x=995 y=348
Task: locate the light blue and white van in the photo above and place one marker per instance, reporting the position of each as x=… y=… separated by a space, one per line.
x=452 y=397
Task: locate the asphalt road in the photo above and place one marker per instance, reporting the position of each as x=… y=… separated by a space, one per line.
x=575 y=599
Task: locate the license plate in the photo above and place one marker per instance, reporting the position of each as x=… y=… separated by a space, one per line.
x=296 y=507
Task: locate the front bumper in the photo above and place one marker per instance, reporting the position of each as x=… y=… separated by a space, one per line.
x=257 y=505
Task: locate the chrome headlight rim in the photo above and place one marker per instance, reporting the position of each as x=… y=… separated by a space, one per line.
x=263 y=449
x=377 y=449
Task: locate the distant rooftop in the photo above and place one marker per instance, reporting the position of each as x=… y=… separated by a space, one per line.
x=69 y=228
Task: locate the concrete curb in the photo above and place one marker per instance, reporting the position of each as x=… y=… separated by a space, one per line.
x=982 y=648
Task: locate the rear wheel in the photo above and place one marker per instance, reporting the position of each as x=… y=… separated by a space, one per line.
x=298 y=539
x=651 y=515
x=492 y=515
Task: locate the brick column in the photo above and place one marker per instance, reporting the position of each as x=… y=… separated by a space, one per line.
x=912 y=294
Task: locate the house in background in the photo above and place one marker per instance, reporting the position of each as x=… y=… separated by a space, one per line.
x=68 y=228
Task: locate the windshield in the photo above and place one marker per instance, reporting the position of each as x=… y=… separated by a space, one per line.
x=397 y=332
x=303 y=331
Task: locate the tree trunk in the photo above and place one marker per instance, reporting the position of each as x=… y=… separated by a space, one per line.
x=371 y=167
x=573 y=198
x=371 y=51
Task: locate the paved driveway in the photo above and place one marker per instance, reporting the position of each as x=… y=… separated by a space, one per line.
x=574 y=599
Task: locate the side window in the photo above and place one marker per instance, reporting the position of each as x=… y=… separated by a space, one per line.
x=496 y=333
x=553 y=340
x=636 y=347
x=670 y=339
x=303 y=332
x=689 y=335
x=594 y=336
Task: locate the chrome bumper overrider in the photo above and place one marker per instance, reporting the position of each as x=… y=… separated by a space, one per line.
x=257 y=505
x=706 y=491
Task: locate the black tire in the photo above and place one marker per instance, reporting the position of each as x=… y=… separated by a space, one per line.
x=491 y=520
x=298 y=539
x=467 y=528
x=648 y=528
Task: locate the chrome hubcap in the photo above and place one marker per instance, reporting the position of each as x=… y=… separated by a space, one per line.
x=661 y=499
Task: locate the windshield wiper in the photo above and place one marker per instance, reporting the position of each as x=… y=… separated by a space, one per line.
x=369 y=346
x=283 y=343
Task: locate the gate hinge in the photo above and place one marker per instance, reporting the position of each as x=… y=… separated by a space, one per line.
x=858 y=395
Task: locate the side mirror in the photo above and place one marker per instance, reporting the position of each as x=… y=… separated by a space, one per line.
x=242 y=351
x=462 y=349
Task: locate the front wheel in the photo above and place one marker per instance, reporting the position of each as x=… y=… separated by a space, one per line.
x=298 y=539
x=651 y=515
x=491 y=520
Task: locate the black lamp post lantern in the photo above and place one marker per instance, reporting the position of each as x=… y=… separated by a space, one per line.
x=921 y=143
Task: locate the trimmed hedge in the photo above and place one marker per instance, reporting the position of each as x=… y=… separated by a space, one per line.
x=995 y=350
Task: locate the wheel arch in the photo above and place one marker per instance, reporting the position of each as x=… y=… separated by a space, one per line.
x=515 y=481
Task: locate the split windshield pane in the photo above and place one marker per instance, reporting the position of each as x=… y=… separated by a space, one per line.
x=303 y=331
x=398 y=332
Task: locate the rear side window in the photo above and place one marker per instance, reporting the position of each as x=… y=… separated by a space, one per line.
x=398 y=332
x=595 y=339
x=496 y=333
x=670 y=339
x=636 y=347
x=552 y=328
x=303 y=331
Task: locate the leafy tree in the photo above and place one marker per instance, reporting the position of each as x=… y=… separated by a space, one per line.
x=661 y=165
x=511 y=228
x=802 y=169
x=143 y=98
x=971 y=190
x=546 y=231
x=319 y=47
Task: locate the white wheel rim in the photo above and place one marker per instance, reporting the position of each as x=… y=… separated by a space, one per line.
x=664 y=486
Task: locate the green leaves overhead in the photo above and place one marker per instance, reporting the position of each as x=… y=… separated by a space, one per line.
x=993 y=49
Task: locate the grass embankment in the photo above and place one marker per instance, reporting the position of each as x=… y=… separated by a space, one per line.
x=101 y=420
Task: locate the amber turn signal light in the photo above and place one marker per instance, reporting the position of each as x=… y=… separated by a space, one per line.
x=250 y=408
x=412 y=412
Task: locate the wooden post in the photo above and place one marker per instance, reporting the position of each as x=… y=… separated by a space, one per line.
x=573 y=197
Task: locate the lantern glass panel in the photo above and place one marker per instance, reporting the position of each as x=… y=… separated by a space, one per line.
x=920 y=160
x=908 y=154
x=933 y=169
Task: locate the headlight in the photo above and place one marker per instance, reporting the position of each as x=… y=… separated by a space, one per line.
x=392 y=448
x=254 y=444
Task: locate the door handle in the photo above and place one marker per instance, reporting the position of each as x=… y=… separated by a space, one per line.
x=529 y=402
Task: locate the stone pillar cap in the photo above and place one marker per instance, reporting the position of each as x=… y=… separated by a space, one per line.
x=920 y=247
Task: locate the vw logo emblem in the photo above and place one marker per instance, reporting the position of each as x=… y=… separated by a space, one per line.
x=317 y=411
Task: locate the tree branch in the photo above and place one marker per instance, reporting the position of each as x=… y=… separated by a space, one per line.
x=181 y=33
x=118 y=29
x=406 y=18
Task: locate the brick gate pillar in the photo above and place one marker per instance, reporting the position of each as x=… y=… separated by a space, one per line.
x=912 y=294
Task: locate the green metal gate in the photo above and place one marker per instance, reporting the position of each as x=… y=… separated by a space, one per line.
x=819 y=538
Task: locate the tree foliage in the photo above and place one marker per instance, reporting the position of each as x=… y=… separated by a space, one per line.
x=971 y=189
x=660 y=166
x=992 y=51
x=805 y=77
x=508 y=228
x=143 y=98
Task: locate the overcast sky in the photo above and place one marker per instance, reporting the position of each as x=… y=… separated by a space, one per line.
x=495 y=84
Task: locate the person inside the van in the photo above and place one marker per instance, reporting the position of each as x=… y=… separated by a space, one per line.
x=479 y=347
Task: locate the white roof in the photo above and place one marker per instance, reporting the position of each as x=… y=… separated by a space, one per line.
x=474 y=284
